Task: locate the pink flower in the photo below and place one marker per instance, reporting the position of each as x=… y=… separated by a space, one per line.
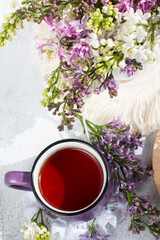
x=105 y=2
x=145 y=5
x=60 y=53
x=48 y=20
x=94 y=1
x=124 y=5
x=80 y=50
x=39 y=46
x=71 y=29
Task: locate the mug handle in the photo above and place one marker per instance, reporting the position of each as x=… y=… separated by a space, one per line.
x=18 y=180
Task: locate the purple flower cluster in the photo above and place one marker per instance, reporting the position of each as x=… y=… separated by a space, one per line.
x=146 y=5
x=122 y=144
x=80 y=50
x=109 y=84
x=124 y=5
x=118 y=145
x=131 y=67
x=139 y=209
x=71 y=34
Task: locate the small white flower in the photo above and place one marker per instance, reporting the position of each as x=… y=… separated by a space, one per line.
x=41 y=231
x=12 y=20
x=141 y=56
x=136 y=17
x=122 y=64
x=27 y=235
x=129 y=52
x=105 y=9
x=142 y=17
x=150 y=55
x=94 y=41
x=118 y=16
x=6 y=18
x=95 y=53
x=140 y=34
x=44 y=229
x=130 y=16
x=30 y=230
x=106 y=58
x=110 y=43
x=93 y=36
x=95 y=44
x=14 y=4
x=103 y=42
x=132 y=28
x=67 y=11
x=19 y=25
x=129 y=43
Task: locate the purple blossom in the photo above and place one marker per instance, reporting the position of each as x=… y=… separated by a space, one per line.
x=80 y=50
x=79 y=70
x=72 y=29
x=48 y=20
x=60 y=53
x=111 y=84
x=131 y=67
x=124 y=5
x=86 y=236
x=122 y=145
x=116 y=124
x=65 y=29
x=105 y=2
x=94 y=1
x=146 y=5
x=96 y=236
x=130 y=210
x=97 y=90
x=40 y=46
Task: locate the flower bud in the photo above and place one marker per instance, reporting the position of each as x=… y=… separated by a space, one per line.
x=103 y=42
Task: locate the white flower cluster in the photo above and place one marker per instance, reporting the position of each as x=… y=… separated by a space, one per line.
x=130 y=36
x=133 y=37
x=33 y=231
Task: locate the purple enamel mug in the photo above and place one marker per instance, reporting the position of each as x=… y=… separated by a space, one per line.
x=70 y=178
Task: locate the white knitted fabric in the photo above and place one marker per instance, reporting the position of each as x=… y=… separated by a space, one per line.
x=137 y=102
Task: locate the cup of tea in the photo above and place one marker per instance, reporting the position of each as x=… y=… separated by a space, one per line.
x=69 y=178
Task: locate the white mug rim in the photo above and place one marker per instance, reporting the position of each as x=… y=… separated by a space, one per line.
x=44 y=155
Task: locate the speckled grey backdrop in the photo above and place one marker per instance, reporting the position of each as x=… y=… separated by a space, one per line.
x=20 y=93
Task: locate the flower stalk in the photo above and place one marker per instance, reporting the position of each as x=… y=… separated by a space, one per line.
x=118 y=146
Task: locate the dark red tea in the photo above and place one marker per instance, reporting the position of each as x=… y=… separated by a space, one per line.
x=70 y=179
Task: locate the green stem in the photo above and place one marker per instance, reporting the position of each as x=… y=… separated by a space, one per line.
x=137 y=215
x=92 y=229
x=42 y=221
x=35 y=217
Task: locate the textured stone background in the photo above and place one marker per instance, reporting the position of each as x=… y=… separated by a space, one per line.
x=26 y=128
